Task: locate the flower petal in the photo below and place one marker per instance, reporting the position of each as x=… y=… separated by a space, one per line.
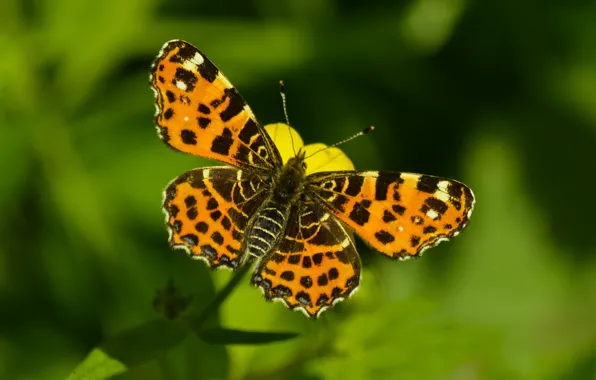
x=280 y=134
x=330 y=159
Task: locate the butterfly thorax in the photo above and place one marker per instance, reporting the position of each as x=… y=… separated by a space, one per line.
x=268 y=224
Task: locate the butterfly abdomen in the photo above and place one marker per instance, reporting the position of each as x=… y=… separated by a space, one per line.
x=267 y=228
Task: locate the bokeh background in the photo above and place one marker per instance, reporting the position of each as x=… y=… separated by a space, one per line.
x=498 y=94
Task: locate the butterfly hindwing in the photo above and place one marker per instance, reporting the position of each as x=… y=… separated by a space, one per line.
x=315 y=264
x=201 y=113
x=399 y=214
x=207 y=210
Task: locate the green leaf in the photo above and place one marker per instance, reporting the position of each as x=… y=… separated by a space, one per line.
x=131 y=348
x=230 y=336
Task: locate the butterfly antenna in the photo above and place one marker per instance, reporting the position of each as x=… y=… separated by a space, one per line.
x=282 y=92
x=361 y=133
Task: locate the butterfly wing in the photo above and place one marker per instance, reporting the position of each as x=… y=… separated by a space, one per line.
x=399 y=214
x=316 y=264
x=207 y=210
x=201 y=113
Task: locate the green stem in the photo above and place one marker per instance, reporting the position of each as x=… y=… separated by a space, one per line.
x=221 y=296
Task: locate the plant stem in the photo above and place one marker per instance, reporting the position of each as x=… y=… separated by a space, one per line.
x=221 y=296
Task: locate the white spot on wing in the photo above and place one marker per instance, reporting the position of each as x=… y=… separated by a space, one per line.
x=181 y=85
x=432 y=214
x=205 y=173
x=198 y=59
x=443 y=185
x=442 y=196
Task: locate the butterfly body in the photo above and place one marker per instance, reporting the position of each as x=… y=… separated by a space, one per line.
x=266 y=227
x=291 y=221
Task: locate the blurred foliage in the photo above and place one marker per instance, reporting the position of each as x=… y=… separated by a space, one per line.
x=501 y=95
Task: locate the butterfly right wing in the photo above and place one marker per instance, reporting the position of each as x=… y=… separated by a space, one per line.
x=201 y=113
x=399 y=214
x=315 y=265
x=207 y=210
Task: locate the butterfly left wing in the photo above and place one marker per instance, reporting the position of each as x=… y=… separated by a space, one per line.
x=207 y=211
x=399 y=214
x=201 y=113
x=316 y=264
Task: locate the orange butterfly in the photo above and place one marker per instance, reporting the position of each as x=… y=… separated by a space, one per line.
x=263 y=208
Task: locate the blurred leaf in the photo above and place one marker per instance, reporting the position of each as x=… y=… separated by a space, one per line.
x=131 y=348
x=97 y=365
x=407 y=338
x=229 y=336
x=428 y=23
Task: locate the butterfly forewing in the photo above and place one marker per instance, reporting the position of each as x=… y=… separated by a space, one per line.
x=201 y=113
x=399 y=214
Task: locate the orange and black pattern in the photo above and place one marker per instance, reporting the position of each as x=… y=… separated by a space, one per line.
x=290 y=223
x=201 y=113
x=399 y=214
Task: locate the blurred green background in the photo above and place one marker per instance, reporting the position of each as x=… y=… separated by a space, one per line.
x=498 y=94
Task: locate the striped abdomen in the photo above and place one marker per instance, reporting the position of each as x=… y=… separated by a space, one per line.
x=266 y=229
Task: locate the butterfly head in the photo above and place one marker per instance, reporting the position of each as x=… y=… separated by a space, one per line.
x=291 y=177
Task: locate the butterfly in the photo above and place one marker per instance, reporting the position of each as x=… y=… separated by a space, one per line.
x=294 y=226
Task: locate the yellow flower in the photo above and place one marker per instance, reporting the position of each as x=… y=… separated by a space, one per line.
x=332 y=159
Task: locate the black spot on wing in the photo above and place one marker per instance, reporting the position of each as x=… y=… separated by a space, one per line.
x=333 y=274
x=323 y=299
x=170 y=96
x=249 y=130
x=190 y=201
x=202 y=227
x=306 y=281
x=384 y=237
x=436 y=204
x=187 y=77
x=306 y=262
x=192 y=213
x=303 y=298
x=184 y=53
x=415 y=240
x=222 y=145
x=208 y=70
x=359 y=214
x=217 y=238
x=382 y=184
x=191 y=239
x=429 y=230
x=204 y=109
x=427 y=184
x=203 y=122
x=235 y=105
x=281 y=291
x=388 y=217
x=294 y=259
x=188 y=137
x=287 y=275
x=400 y=210
x=212 y=204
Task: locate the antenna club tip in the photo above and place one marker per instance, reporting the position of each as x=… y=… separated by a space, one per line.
x=281 y=83
x=369 y=129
